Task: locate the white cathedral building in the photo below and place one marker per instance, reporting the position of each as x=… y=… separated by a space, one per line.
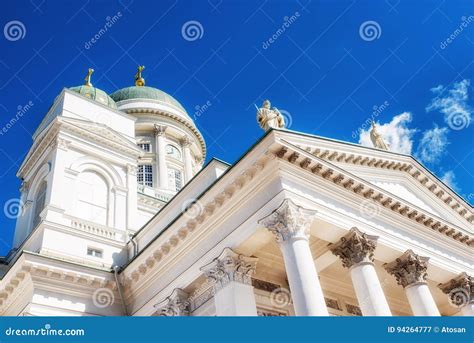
x=120 y=216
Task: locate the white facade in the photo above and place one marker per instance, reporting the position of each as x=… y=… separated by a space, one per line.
x=300 y=225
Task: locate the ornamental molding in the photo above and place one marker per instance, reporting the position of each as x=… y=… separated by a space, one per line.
x=230 y=267
x=409 y=269
x=289 y=221
x=161 y=251
x=370 y=192
x=38 y=148
x=101 y=134
x=24 y=272
x=410 y=167
x=94 y=132
x=177 y=304
x=355 y=248
x=159 y=130
x=460 y=289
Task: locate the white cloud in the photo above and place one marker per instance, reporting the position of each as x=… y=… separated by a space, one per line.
x=452 y=102
x=395 y=133
x=433 y=144
x=450 y=179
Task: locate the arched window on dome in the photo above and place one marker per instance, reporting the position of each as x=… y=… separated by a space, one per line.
x=92 y=197
x=173 y=152
x=175 y=179
x=39 y=201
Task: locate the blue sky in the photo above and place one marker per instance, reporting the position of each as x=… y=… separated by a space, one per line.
x=328 y=65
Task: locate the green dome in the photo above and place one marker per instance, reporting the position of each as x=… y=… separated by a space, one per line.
x=95 y=94
x=143 y=92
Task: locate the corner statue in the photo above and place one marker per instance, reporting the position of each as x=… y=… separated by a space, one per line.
x=377 y=139
x=269 y=118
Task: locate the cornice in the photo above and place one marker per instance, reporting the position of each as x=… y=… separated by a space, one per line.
x=368 y=191
x=409 y=166
x=32 y=266
x=61 y=125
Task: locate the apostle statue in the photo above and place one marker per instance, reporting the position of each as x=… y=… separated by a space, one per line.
x=269 y=118
x=377 y=139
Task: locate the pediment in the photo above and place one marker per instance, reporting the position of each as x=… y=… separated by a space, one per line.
x=99 y=131
x=397 y=174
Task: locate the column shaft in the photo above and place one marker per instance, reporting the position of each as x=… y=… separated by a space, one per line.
x=421 y=301
x=162 y=170
x=290 y=224
x=306 y=292
x=368 y=290
x=235 y=299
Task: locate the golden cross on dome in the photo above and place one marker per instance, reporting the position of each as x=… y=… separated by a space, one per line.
x=88 y=77
x=139 y=80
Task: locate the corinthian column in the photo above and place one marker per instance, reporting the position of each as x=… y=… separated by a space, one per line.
x=230 y=274
x=188 y=167
x=175 y=305
x=410 y=272
x=290 y=224
x=356 y=250
x=161 y=170
x=461 y=293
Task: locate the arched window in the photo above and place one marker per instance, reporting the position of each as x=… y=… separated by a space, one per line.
x=92 y=197
x=39 y=204
x=173 y=152
x=175 y=179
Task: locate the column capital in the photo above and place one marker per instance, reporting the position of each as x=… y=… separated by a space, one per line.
x=289 y=221
x=159 y=130
x=230 y=266
x=354 y=248
x=185 y=141
x=176 y=304
x=460 y=289
x=409 y=269
x=131 y=169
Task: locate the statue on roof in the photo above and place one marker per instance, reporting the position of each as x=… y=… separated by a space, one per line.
x=139 y=80
x=377 y=139
x=88 y=77
x=269 y=118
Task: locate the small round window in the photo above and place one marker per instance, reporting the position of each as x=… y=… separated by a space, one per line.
x=173 y=151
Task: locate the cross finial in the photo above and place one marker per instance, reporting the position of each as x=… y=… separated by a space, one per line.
x=139 y=80
x=88 y=77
